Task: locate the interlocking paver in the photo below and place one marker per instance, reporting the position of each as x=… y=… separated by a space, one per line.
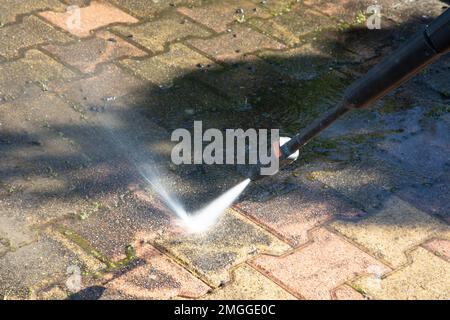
x=10 y=9
x=245 y=80
x=426 y=151
x=39 y=160
x=394 y=229
x=414 y=281
x=366 y=182
x=439 y=247
x=86 y=55
x=15 y=233
x=230 y=46
x=346 y=10
x=292 y=27
x=146 y=9
x=346 y=292
x=231 y=241
x=248 y=284
x=110 y=233
x=305 y=62
x=154 y=276
x=96 y=15
x=165 y=68
x=155 y=35
x=313 y=271
x=30 y=32
x=111 y=82
x=416 y=11
x=34 y=67
x=431 y=198
x=278 y=7
x=219 y=15
x=33 y=266
x=294 y=214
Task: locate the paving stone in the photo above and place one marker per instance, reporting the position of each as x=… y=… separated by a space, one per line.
x=414 y=11
x=40 y=160
x=246 y=80
x=108 y=234
x=294 y=214
x=34 y=67
x=425 y=151
x=278 y=7
x=178 y=105
x=346 y=10
x=30 y=32
x=434 y=77
x=439 y=247
x=155 y=35
x=230 y=46
x=368 y=182
x=155 y=276
x=412 y=282
x=15 y=232
x=393 y=230
x=219 y=15
x=313 y=271
x=109 y=84
x=305 y=62
x=10 y=9
x=292 y=27
x=431 y=198
x=52 y=293
x=346 y=292
x=86 y=55
x=366 y=43
x=231 y=241
x=97 y=15
x=32 y=267
x=144 y=9
x=164 y=69
x=249 y=284
x=91 y=264
x=80 y=3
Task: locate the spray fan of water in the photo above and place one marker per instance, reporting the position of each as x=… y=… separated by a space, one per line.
x=200 y=220
x=144 y=161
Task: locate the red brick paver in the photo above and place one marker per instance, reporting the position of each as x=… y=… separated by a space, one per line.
x=88 y=54
x=230 y=46
x=157 y=277
x=439 y=247
x=87 y=19
x=313 y=271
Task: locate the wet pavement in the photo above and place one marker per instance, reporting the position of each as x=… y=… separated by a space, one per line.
x=89 y=94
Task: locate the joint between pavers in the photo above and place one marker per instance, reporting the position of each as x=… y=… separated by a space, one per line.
x=141 y=19
x=275 y=280
x=19 y=17
x=180 y=262
x=423 y=245
x=41 y=48
x=243 y=213
x=90 y=250
x=405 y=253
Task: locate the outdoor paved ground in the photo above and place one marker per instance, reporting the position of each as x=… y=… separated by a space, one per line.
x=363 y=214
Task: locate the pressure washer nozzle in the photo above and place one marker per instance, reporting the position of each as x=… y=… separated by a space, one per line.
x=284 y=160
x=408 y=60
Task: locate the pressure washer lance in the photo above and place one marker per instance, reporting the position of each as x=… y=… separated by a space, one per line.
x=416 y=54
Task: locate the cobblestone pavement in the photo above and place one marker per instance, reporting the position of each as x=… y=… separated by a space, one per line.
x=88 y=89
